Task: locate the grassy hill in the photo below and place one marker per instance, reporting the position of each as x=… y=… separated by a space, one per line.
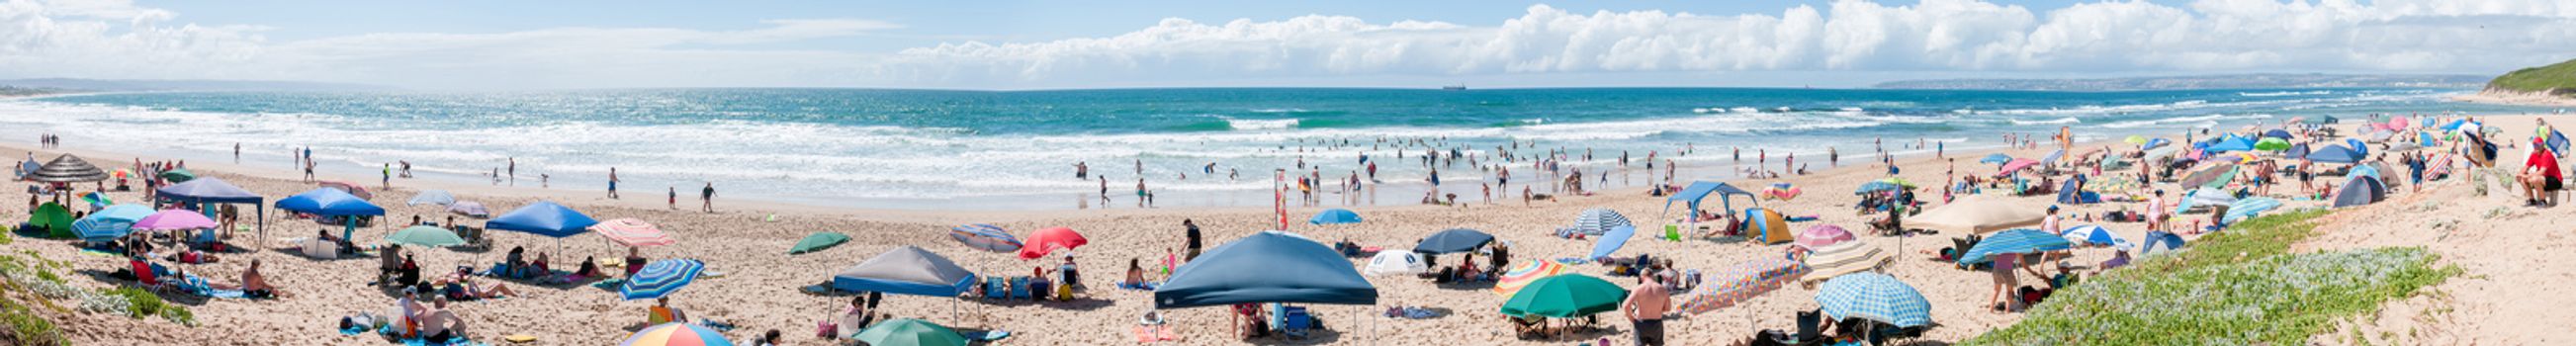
x=2555 y=79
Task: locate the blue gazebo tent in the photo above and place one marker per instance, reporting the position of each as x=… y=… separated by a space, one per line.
x=332 y=202
x=210 y=190
x=1266 y=267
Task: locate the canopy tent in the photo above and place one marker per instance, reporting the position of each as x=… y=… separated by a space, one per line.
x=2016 y=241
x=1978 y=214
x=68 y=169
x=1266 y=267
x=2360 y=190
x=332 y=202
x=543 y=218
x=906 y=270
x=1565 y=296
x=1768 y=226
x=1700 y=189
x=1452 y=241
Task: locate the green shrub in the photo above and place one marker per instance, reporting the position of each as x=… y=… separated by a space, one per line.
x=26 y=328
x=140 y=303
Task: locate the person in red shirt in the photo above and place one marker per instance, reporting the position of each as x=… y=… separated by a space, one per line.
x=2540 y=177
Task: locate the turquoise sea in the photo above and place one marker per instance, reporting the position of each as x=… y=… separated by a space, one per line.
x=1016 y=149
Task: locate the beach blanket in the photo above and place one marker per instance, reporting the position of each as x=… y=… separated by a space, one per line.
x=197 y=285
x=995 y=335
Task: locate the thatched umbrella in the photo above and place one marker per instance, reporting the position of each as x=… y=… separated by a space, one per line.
x=68 y=169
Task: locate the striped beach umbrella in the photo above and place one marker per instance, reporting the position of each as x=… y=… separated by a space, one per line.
x=1513 y=280
x=661 y=278
x=1843 y=258
x=67 y=169
x=174 y=219
x=2092 y=235
x=2015 y=241
x=632 y=232
x=100 y=229
x=676 y=334
x=1822 y=235
x=1046 y=241
x=1874 y=297
x=985 y=237
x=1598 y=221
x=1742 y=282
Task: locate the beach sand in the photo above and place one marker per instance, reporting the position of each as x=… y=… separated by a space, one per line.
x=2503 y=298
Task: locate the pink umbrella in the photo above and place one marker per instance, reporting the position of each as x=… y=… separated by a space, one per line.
x=2016 y=165
x=174 y=220
x=1822 y=235
x=632 y=232
x=1044 y=241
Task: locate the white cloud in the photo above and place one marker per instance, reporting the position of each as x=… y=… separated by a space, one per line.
x=117 y=39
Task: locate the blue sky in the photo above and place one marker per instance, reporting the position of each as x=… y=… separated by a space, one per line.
x=1068 y=44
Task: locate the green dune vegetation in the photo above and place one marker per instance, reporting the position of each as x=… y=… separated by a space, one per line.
x=2555 y=79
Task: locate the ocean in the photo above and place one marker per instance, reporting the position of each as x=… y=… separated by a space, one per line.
x=974 y=150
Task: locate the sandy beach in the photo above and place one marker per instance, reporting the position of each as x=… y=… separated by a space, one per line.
x=2511 y=256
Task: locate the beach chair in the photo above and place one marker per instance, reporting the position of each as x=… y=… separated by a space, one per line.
x=997 y=288
x=474 y=239
x=147 y=276
x=1020 y=288
x=1293 y=321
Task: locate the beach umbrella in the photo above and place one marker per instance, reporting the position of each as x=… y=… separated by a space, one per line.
x=2404 y=146
x=178 y=175
x=101 y=229
x=1876 y=187
x=2015 y=166
x=1512 y=280
x=910 y=332
x=1046 y=241
x=1266 y=267
x=2092 y=235
x=1978 y=214
x=676 y=334
x=2230 y=143
x=469 y=208
x=817 y=242
x=661 y=278
x=2053 y=156
x=1334 y=217
x=1611 y=242
x=67 y=169
x=985 y=237
x=2161 y=241
x=174 y=220
x=1396 y=263
x=543 y=218
x=906 y=270
x=1874 y=297
x=1898 y=181
x=207 y=190
x=352 y=188
x=2203 y=196
x=1565 y=296
x=97 y=199
x=1822 y=235
x=425 y=236
x=329 y=202
x=2272 y=144
x=632 y=232
x=1995 y=159
x=2216 y=174
x=2156 y=143
x=1844 y=258
x=2276 y=133
x=2161 y=152
x=125 y=212
x=1598 y=221
x=2136 y=140
x=2015 y=241
x=1453 y=240
x=438 y=197
x=2248 y=208
x=2335 y=154
x=1744 y=281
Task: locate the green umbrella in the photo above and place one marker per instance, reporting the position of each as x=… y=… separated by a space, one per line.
x=181 y=175
x=910 y=332
x=818 y=242
x=1565 y=296
x=429 y=236
x=2272 y=144
x=2137 y=140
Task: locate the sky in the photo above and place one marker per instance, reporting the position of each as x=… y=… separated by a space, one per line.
x=1007 y=44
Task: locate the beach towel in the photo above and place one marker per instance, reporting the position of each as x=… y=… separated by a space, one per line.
x=197 y=285
x=997 y=335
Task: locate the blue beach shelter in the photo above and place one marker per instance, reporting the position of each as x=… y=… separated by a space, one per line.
x=1699 y=190
x=1611 y=242
x=332 y=202
x=210 y=190
x=2230 y=143
x=2015 y=241
x=1266 y=267
x=543 y=218
x=906 y=270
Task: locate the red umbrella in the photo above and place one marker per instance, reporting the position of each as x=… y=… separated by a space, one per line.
x=1048 y=240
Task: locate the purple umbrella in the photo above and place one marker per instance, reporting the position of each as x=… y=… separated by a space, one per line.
x=174 y=220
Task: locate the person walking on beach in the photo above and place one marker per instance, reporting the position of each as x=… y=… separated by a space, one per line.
x=389 y=176
x=514 y=171
x=236 y=152
x=1190 y=239
x=675 y=198
x=612 y=183
x=1104 y=190
x=1645 y=308
x=1833 y=157
x=1143 y=199
x=707 y=197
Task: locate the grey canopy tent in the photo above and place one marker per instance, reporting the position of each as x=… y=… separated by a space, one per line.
x=1266 y=267
x=906 y=270
x=210 y=190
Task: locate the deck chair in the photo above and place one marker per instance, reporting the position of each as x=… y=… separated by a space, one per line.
x=147 y=276
x=1020 y=288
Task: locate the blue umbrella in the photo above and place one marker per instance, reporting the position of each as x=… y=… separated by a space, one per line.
x=1995 y=158
x=329 y=202
x=98 y=228
x=2334 y=154
x=2156 y=143
x=2277 y=133
x=1610 y=242
x=985 y=237
x=2053 y=156
x=1334 y=216
x=2161 y=241
x=543 y=218
x=1266 y=267
x=2230 y=143
x=2016 y=241
x=1452 y=241
x=2248 y=208
x=2093 y=235
x=126 y=212
x=438 y=197
x=661 y=278
x=1875 y=297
